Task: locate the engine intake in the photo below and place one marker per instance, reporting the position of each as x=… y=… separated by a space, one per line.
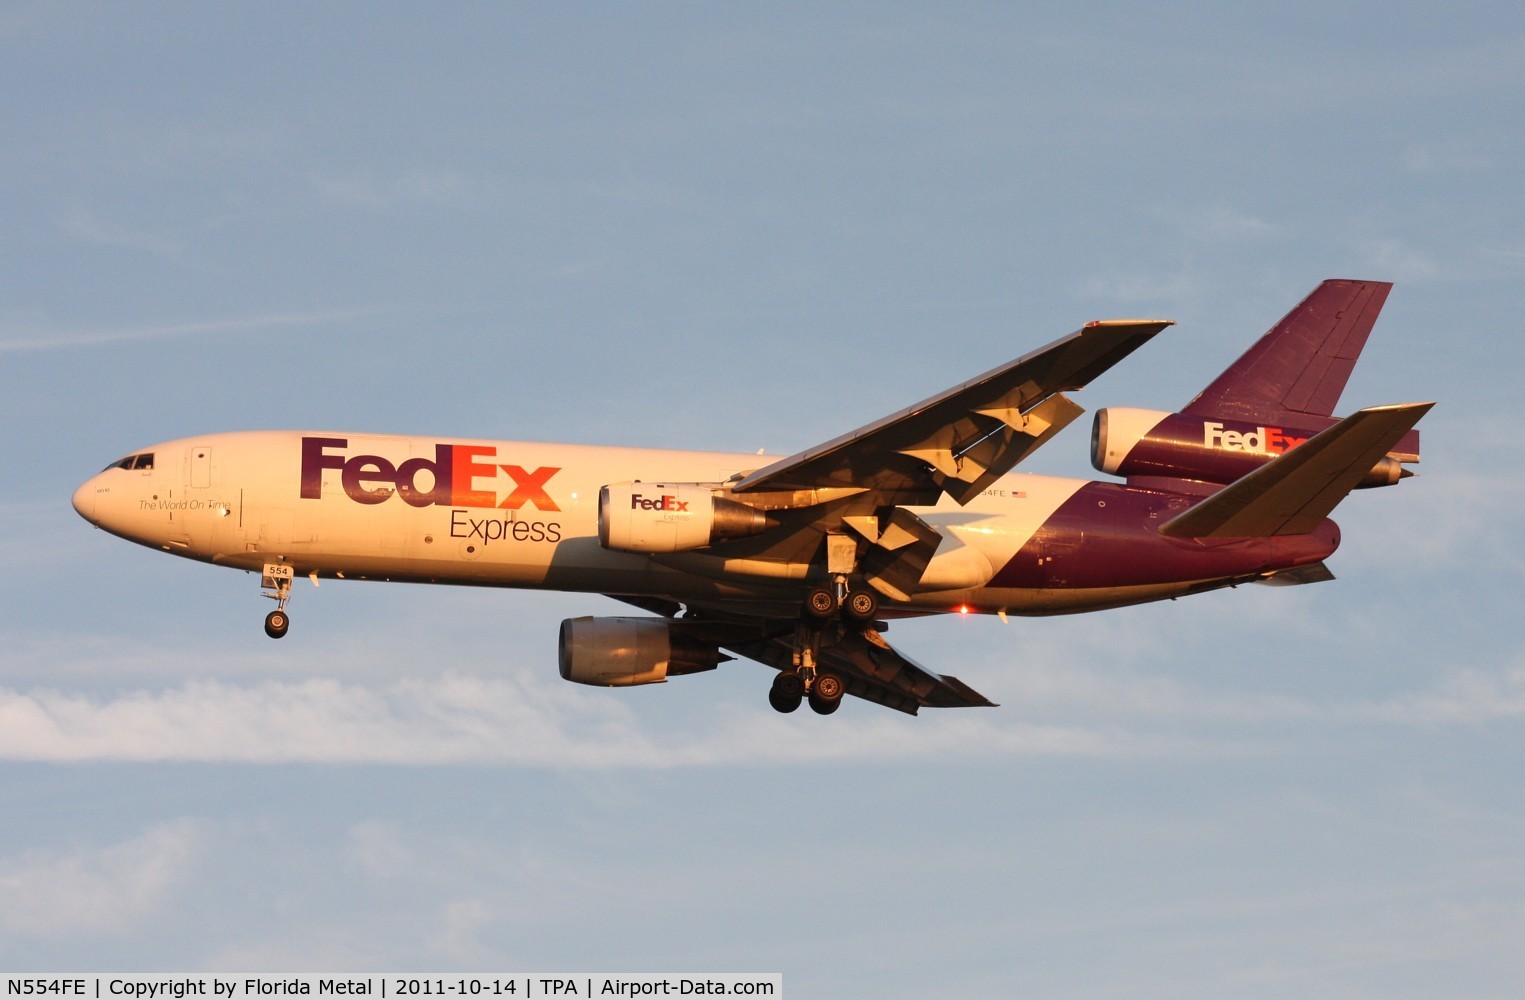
x=624 y=652
x=660 y=517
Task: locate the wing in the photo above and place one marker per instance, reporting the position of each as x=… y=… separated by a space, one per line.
x=962 y=440
x=873 y=670
x=840 y=507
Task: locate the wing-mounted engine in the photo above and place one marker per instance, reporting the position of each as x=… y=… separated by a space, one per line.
x=1155 y=444
x=623 y=652
x=662 y=517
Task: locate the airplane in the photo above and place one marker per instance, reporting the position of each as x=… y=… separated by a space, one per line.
x=801 y=562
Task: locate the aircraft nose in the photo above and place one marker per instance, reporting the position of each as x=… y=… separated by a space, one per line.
x=84 y=500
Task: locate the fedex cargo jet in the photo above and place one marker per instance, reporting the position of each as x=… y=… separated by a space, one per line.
x=800 y=563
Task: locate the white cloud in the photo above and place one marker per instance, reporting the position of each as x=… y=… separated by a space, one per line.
x=1135 y=287
x=420 y=187
x=457 y=718
x=460 y=922
x=1219 y=224
x=1454 y=513
x=50 y=340
x=1400 y=262
x=99 y=890
x=1127 y=694
x=1452 y=157
x=375 y=848
x=1463 y=697
x=82 y=224
x=529 y=722
x=310 y=947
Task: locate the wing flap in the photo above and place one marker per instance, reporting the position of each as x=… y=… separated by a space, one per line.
x=897 y=556
x=964 y=471
x=1294 y=493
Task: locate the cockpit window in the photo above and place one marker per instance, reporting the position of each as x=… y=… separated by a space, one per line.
x=141 y=462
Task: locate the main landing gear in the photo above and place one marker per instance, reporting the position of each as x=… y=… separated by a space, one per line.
x=791 y=688
x=275 y=582
x=826 y=612
x=856 y=605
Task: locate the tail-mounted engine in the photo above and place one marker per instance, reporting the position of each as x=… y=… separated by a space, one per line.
x=622 y=652
x=1151 y=443
x=658 y=518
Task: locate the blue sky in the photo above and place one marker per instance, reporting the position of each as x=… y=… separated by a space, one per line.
x=734 y=227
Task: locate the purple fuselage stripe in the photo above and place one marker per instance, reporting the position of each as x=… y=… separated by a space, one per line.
x=1106 y=536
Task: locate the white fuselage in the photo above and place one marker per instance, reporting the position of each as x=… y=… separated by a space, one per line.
x=517 y=514
x=525 y=514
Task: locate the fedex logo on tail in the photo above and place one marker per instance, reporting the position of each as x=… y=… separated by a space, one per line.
x=457 y=476
x=1260 y=441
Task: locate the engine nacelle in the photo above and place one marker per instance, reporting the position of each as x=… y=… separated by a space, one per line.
x=659 y=517
x=623 y=652
x=1116 y=431
x=1129 y=442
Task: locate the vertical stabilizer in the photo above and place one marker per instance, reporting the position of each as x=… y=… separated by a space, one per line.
x=1300 y=367
x=1279 y=394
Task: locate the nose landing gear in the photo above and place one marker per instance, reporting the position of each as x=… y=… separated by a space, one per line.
x=275 y=581
x=276 y=623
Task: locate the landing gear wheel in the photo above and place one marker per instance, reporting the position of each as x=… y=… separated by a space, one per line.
x=860 y=606
x=783 y=702
x=276 y=624
x=820 y=604
x=820 y=706
x=826 y=694
x=827 y=687
x=787 y=692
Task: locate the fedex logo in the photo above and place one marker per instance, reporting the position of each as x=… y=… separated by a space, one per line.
x=664 y=502
x=1260 y=441
x=457 y=476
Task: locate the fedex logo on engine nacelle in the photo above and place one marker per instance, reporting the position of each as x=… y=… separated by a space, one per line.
x=1260 y=441
x=664 y=502
x=457 y=475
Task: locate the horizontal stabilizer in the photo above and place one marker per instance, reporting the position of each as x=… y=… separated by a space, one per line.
x=1298 y=576
x=1293 y=494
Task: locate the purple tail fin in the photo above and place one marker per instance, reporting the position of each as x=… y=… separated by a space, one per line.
x=1300 y=367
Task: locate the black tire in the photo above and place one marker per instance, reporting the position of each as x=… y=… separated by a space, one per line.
x=820 y=604
x=789 y=685
x=827 y=687
x=783 y=701
x=820 y=706
x=276 y=624
x=861 y=606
